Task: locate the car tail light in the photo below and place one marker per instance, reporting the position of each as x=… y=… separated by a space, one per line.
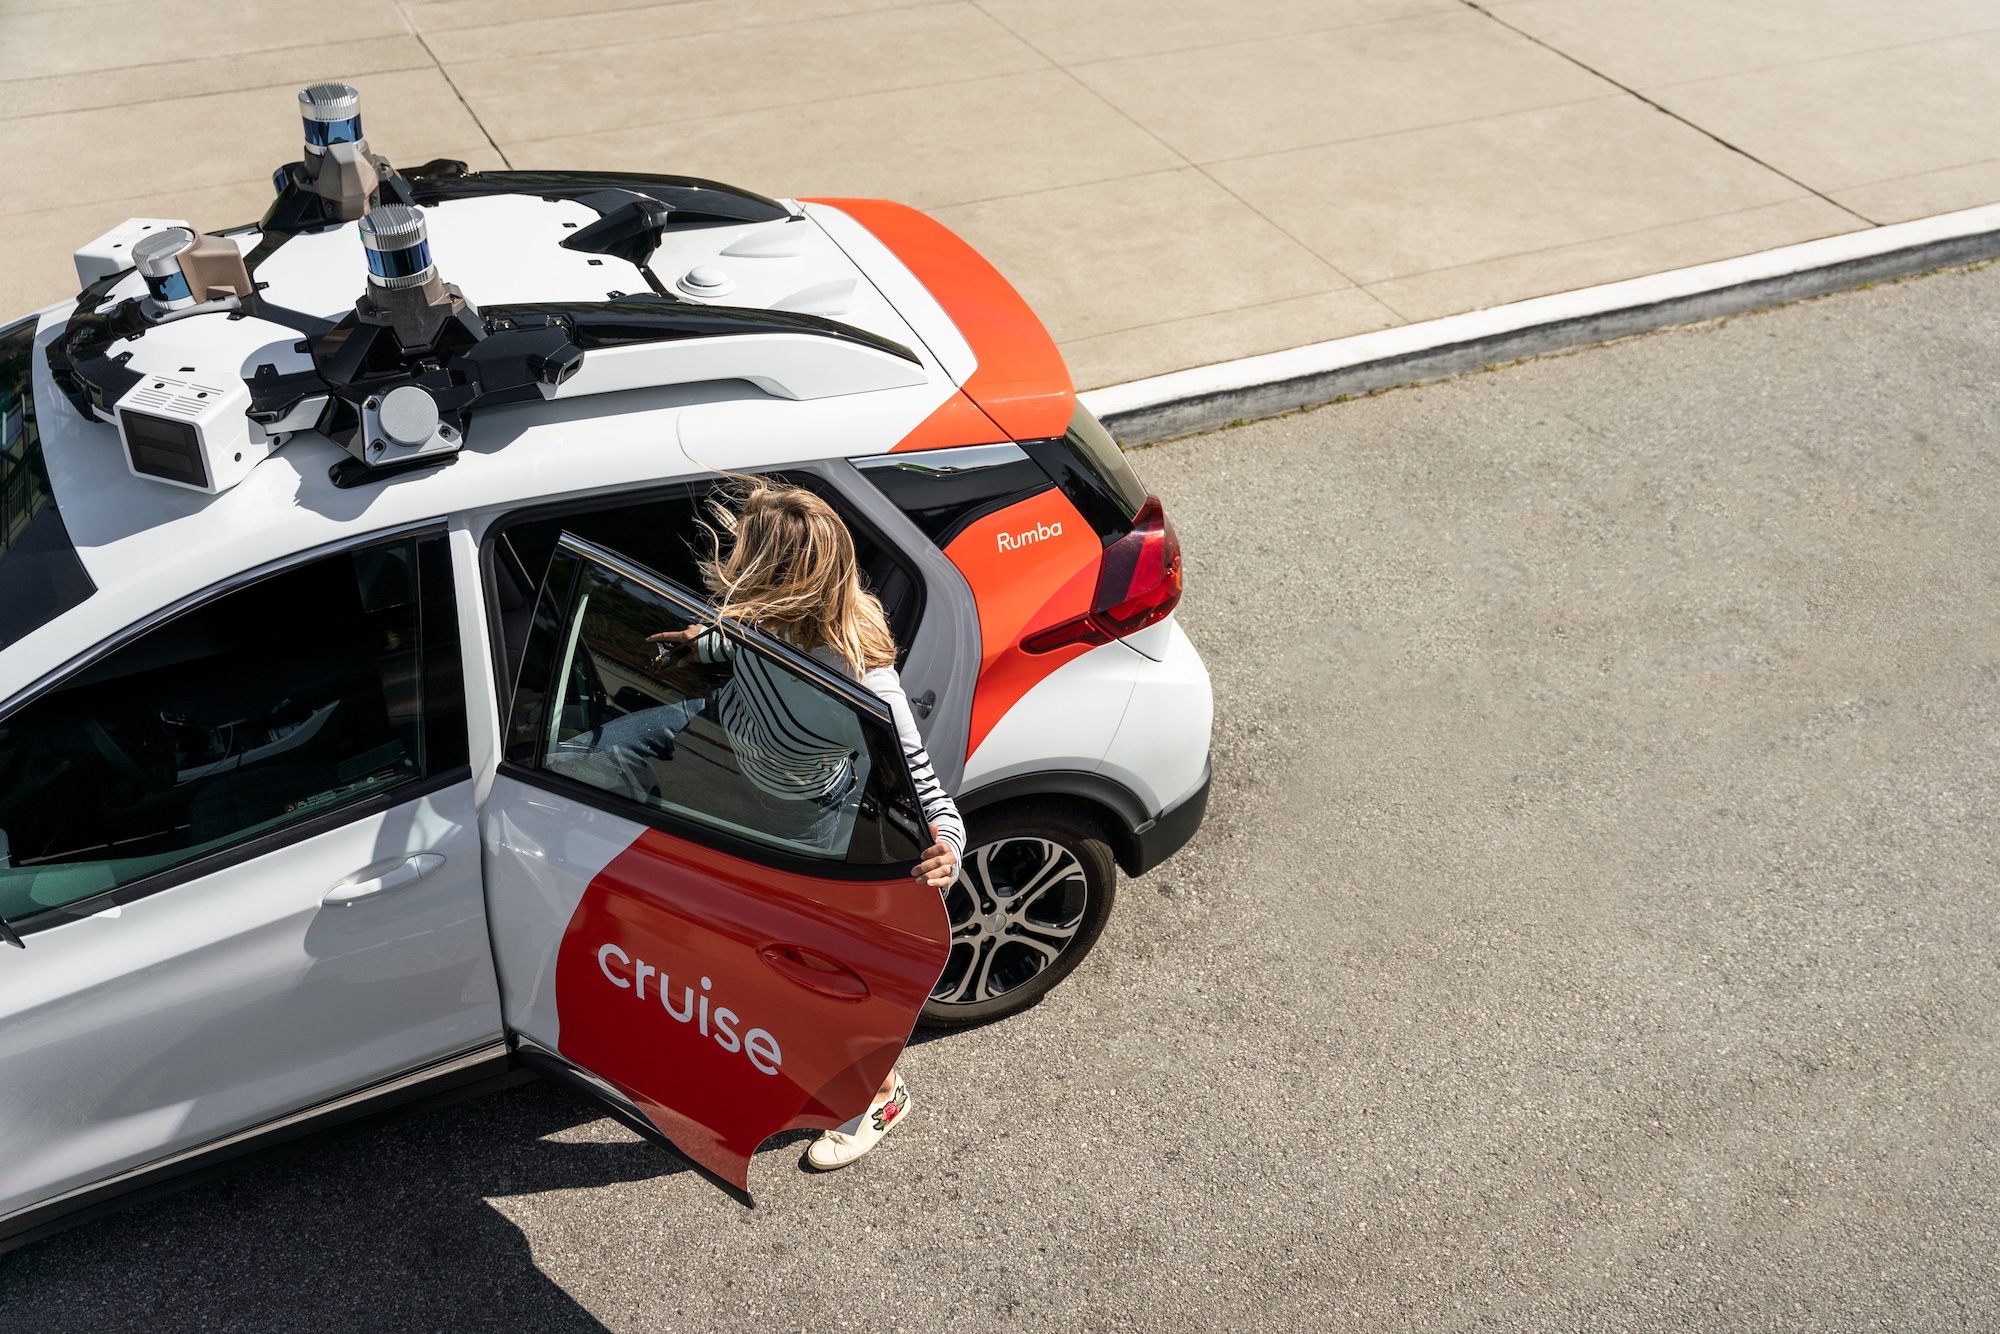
x=1138 y=584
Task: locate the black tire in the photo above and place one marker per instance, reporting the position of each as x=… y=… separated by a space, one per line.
x=1008 y=951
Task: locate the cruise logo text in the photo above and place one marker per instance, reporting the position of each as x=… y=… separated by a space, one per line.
x=757 y=1046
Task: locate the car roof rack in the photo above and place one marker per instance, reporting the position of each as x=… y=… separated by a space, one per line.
x=397 y=379
x=695 y=202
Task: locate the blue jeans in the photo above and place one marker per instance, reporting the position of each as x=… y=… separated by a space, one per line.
x=618 y=756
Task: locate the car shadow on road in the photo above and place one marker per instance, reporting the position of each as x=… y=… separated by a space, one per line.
x=390 y=1229
x=936 y=1033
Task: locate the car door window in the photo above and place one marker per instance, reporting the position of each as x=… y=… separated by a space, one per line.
x=730 y=732
x=669 y=533
x=250 y=717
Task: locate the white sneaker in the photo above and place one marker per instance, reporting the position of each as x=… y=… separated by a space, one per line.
x=838 y=1148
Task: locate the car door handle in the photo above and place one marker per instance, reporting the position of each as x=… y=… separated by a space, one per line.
x=397 y=877
x=815 y=972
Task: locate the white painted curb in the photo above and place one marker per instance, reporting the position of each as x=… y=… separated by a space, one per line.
x=1208 y=396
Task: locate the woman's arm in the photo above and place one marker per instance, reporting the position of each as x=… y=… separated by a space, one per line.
x=940 y=811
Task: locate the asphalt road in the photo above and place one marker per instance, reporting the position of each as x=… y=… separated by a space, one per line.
x=1595 y=926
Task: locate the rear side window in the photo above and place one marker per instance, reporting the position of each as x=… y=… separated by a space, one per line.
x=40 y=575
x=291 y=699
x=944 y=490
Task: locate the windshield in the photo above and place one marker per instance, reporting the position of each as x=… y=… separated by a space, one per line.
x=40 y=576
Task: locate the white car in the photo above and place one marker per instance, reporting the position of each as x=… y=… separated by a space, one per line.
x=331 y=544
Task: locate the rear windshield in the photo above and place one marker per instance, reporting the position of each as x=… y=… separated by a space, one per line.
x=1090 y=442
x=1093 y=472
x=40 y=576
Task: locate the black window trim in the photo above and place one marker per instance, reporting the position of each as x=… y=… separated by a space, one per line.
x=223 y=858
x=120 y=638
x=918 y=459
x=506 y=673
x=1087 y=494
x=236 y=853
x=695 y=831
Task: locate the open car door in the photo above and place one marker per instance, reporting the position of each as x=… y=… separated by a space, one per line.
x=698 y=869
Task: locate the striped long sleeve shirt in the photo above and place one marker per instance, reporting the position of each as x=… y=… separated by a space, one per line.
x=795 y=741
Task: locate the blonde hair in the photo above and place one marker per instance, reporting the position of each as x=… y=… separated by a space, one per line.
x=790 y=571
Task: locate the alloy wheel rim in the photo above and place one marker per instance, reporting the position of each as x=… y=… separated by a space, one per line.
x=1015 y=907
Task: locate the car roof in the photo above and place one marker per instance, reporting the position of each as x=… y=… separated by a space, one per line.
x=149 y=546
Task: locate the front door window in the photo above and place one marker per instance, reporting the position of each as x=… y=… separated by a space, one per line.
x=706 y=728
x=291 y=699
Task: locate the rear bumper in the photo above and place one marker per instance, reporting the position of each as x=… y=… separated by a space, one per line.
x=1168 y=832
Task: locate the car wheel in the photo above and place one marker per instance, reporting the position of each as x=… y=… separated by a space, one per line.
x=1030 y=900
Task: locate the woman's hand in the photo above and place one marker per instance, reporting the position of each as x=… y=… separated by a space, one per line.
x=675 y=642
x=939 y=866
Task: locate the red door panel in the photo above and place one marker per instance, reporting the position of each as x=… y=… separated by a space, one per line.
x=730 y=1000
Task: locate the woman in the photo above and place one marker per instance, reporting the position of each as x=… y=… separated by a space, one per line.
x=790 y=571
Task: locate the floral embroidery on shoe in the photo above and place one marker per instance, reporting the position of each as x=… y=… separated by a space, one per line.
x=890 y=1109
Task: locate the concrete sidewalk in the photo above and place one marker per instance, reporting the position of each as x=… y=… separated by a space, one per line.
x=1170 y=182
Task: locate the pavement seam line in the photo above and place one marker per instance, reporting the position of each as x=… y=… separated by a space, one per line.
x=1288 y=35
x=1606 y=236
x=618 y=43
x=403 y=12
x=1632 y=92
x=172 y=99
x=599 y=130
x=631 y=8
x=840 y=98
x=1426 y=127
x=1919 y=175
x=114 y=202
x=257 y=53
x=938 y=205
x=1836 y=56
x=1196 y=167
x=1447 y=268
x=1211 y=314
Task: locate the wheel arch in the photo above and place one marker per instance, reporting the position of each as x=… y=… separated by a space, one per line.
x=1106 y=803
